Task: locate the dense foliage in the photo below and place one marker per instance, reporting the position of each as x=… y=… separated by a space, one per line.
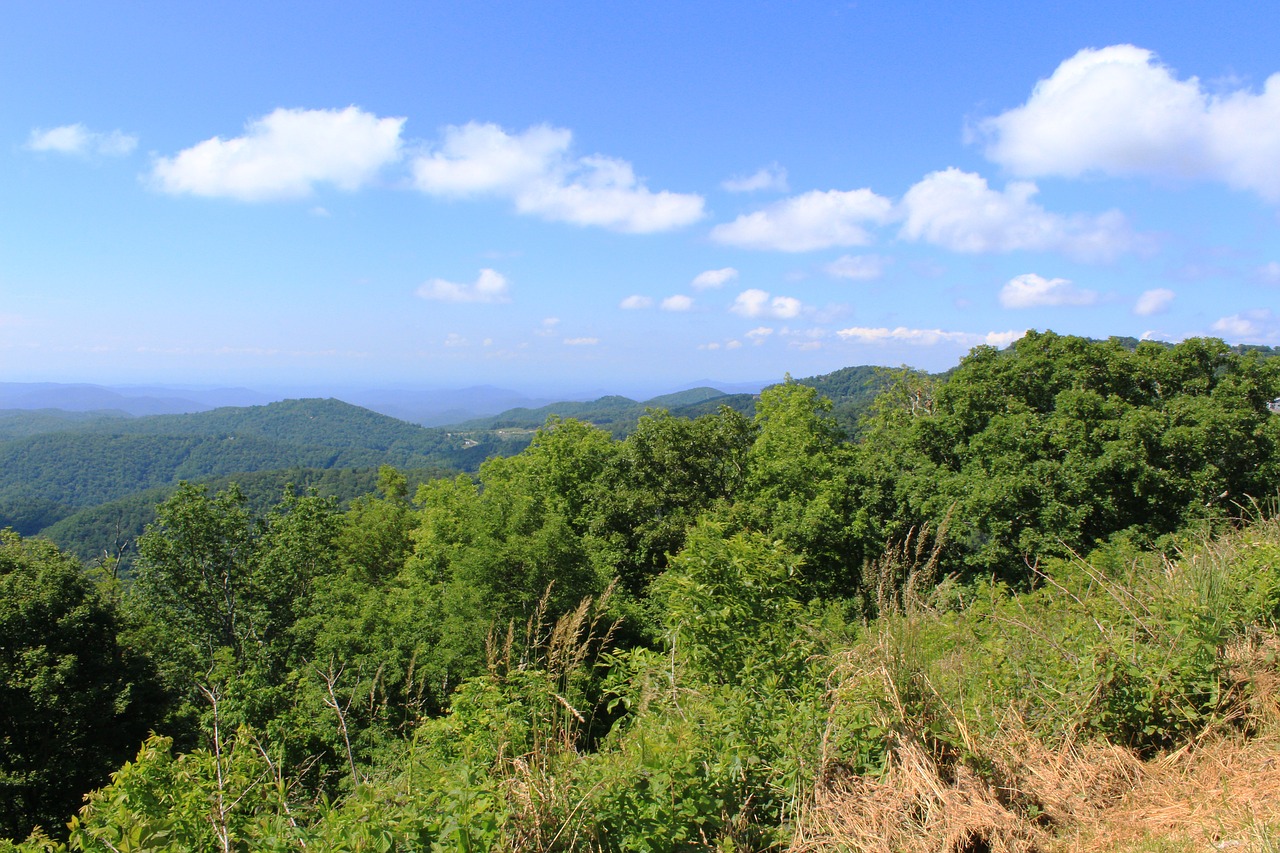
x=676 y=639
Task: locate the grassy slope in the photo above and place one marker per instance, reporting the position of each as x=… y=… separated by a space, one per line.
x=1130 y=703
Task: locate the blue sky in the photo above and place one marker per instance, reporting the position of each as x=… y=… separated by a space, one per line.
x=631 y=196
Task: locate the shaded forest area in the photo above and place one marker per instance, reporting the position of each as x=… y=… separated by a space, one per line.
x=722 y=632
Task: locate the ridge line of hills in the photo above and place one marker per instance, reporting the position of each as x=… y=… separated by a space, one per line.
x=87 y=479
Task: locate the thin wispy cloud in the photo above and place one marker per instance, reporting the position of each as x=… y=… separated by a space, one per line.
x=858 y=267
x=1154 y=301
x=711 y=279
x=1268 y=273
x=489 y=287
x=926 y=337
x=772 y=177
x=1257 y=326
x=77 y=139
x=1035 y=291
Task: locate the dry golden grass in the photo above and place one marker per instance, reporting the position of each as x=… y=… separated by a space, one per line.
x=916 y=806
x=1223 y=794
x=1220 y=792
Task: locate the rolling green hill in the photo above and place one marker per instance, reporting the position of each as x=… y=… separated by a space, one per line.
x=54 y=464
x=86 y=478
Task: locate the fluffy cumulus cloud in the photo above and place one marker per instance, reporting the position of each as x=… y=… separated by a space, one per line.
x=679 y=302
x=483 y=158
x=953 y=209
x=758 y=303
x=813 y=220
x=1118 y=111
x=759 y=334
x=1155 y=301
x=926 y=337
x=1257 y=326
x=858 y=267
x=78 y=139
x=1034 y=291
x=711 y=279
x=536 y=171
x=581 y=342
x=490 y=286
x=958 y=211
x=771 y=177
x=285 y=155
x=635 y=302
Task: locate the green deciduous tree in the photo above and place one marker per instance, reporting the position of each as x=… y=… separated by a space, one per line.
x=74 y=702
x=1060 y=442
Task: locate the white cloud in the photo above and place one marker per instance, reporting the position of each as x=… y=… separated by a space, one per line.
x=1155 y=301
x=78 y=139
x=733 y=344
x=1257 y=326
x=759 y=334
x=714 y=278
x=1034 y=291
x=632 y=303
x=858 y=267
x=483 y=158
x=581 y=342
x=455 y=340
x=284 y=155
x=1118 y=111
x=714 y=345
x=679 y=302
x=489 y=287
x=804 y=339
x=926 y=337
x=771 y=177
x=534 y=170
x=958 y=211
x=758 y=303
x=1268 y=273
x=813 y=220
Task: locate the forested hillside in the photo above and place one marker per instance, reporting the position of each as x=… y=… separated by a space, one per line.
x=89 y=480
x=53 y=465
x=969 y=626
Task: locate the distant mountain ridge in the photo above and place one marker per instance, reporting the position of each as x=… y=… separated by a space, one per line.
x=136 y=400
x=82 y=476
x=53 y=464
x=426 y=407
x=613 y=412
